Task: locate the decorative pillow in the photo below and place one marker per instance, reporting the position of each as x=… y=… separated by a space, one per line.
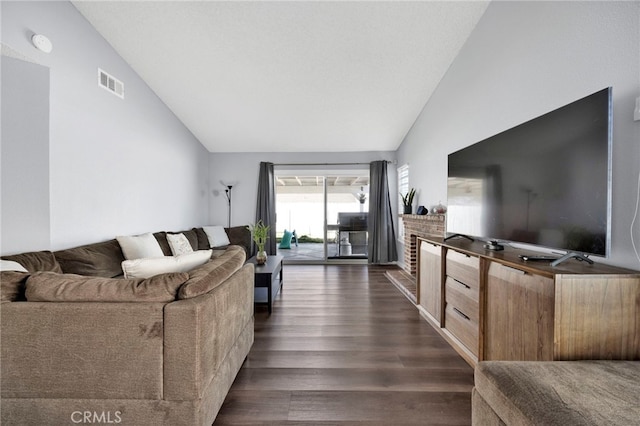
x=203 y=239
x=285 y=242
x=217 y=236
x=11 y=265
x=36 y=261
x=191 y=235
x=12 y=286
x=179 y=244
x=145 y=268
x=50 y=287
x=94 y=260
x=240 y=236
x=140 y=246
x=204 y=279
x=164 y=244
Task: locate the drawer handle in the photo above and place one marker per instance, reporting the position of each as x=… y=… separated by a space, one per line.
x=461 y=283
x=512 y=269
x=461 y=314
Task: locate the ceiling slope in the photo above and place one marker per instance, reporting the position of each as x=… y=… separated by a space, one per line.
x=289 y=76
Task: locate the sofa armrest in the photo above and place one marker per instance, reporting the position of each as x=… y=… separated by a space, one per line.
x=199 y=332
x=82 y=350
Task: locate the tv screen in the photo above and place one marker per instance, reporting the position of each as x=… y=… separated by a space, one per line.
x=545 y=182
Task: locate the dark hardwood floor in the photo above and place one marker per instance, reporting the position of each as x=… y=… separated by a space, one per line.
x=343 y=346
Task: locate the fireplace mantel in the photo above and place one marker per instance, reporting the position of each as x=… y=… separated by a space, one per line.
x=430 y=225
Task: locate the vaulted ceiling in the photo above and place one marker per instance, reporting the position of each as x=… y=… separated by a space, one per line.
x=307 y=76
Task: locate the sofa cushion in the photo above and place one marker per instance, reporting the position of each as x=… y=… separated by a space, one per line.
x=179 y=244
x=207 y=277
x=145 y=268
x=51 y=287
x=191 y=235
x=561 y=392
x=12 y=284
x=36 y=261
x=94 y=260
x=139 y=246
x=217 y=236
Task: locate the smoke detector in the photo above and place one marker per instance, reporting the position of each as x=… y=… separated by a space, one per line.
x=42 y=43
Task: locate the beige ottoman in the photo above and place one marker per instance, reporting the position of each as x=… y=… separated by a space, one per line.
x=557 y=393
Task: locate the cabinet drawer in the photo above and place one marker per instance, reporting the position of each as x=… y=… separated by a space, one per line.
x=463 y=268
x=462 y=327
x=519 y=316
x=430 y=280
x=430 y=248
x=462 y=297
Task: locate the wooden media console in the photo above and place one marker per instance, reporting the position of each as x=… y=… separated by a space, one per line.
x=492 y=305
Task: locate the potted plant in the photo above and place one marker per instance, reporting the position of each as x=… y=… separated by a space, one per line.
x=260 y=234
x=407 y=200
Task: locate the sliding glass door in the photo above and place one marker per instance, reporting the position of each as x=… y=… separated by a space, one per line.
x=347 y=211
x=300 y=217
x=321 y=216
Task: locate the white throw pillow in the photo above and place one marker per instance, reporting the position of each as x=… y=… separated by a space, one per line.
x=217 y=236
x=179 y=244
x=149 y=267
x=140 y=246
x=10 y=265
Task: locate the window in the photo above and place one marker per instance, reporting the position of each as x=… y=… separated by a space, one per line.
x=403 y=188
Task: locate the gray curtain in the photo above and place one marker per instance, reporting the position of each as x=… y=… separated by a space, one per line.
x=382 y=236
x=266 y=205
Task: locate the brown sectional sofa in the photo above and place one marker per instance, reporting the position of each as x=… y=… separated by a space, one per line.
x=562 y=393
x=132 y=363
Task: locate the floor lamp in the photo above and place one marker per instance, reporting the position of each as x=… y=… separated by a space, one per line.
x=227 y=192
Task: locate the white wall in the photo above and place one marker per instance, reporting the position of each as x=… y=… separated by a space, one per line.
x=117 y=166
x=242 y=170
x=24 y=145
x=525 y=59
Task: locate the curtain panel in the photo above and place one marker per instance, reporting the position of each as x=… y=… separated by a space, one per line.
x=266 y=205
x=382 y=236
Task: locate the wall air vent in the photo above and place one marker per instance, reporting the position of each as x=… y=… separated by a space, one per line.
x=110 y=83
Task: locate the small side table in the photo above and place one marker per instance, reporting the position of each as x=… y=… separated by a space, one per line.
x=269 y=275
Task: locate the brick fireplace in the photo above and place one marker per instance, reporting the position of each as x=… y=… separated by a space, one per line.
x=415 y=226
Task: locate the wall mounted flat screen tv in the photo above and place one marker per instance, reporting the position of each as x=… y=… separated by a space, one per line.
x=546 y=182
